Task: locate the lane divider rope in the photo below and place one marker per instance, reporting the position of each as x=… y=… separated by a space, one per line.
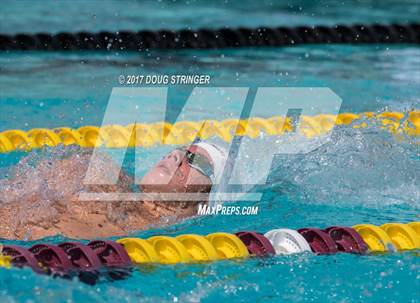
x=184 y=132
x=213 y=38
x=85 y=261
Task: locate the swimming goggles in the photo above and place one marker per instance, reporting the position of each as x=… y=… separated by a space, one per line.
x=199 y=162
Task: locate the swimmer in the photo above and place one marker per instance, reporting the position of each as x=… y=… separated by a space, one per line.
x=44 y=200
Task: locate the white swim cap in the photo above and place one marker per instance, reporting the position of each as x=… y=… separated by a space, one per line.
x=218 y=155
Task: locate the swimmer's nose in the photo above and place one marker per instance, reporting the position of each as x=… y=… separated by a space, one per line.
x=175 y=157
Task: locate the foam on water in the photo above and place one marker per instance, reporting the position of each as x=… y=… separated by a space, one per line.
x=361 y=166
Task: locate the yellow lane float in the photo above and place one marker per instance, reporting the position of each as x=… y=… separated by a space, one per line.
x=416 y=227
x=402 y=236
x=169 y=250
x=139 y=250
x=228 y=245
x=184 y=132
x=376 y=238
x=199 y=248
x=4 y=261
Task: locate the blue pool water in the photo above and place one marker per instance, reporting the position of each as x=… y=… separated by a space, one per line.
x=361 y=176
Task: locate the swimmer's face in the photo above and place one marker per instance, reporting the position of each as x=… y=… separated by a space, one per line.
x=172 y=174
